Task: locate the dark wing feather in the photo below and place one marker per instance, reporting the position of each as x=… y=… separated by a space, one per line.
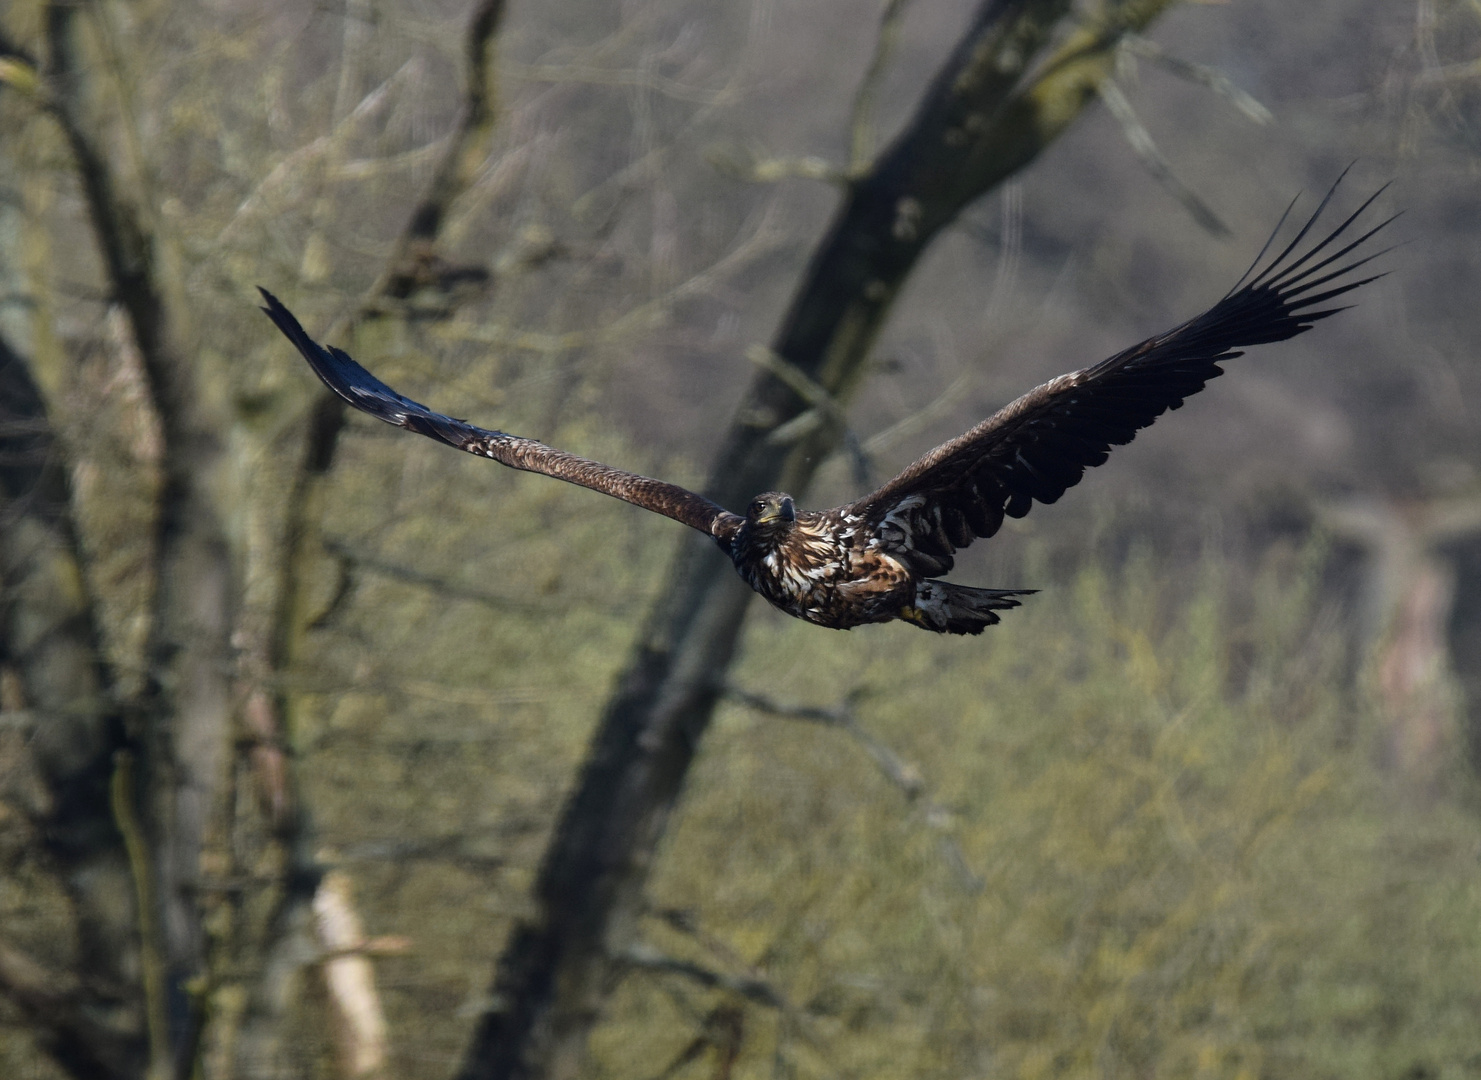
x=368 y=394
x=1041 y=444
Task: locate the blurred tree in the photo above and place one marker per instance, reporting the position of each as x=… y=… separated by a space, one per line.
x=230 y=678
x=133 y=770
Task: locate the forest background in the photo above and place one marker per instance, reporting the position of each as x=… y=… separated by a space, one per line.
x=327 y=751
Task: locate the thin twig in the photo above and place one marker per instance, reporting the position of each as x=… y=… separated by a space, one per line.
x=435 y=583
x=825 y=407
x=1145 y=148
x=1201 y=74
x=642 y=78
x=753 y=168
x=921 y=419
x=687 y=924
x=861 y=116
x=897 y=770
x=757 y=990
x=151 y=955
x=903 y=774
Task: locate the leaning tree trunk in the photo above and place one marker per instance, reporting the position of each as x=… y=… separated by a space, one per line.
x=995 y=104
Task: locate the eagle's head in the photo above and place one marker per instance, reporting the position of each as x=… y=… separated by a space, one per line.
x=770 y=519
x=772 y=512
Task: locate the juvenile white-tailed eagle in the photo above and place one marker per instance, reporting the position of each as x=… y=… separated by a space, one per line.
x=882 y=557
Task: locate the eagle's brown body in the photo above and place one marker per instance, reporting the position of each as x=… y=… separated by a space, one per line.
x=836 y=569
x=820 y=566
x=881 y=558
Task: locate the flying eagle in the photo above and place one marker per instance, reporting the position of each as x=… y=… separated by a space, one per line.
x=882 y=557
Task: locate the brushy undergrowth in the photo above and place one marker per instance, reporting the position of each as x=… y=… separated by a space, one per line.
x=1148 y=836
x=1152 y=843
x=1138 y=830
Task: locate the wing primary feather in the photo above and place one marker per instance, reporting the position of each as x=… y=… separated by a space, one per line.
x=1289 y=274
x=1258 y=280
x=1279 y=225
x=351 y=382
x=1321 y=298
x=1037 y=447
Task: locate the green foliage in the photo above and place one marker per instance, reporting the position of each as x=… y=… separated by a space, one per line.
x=1153 y=841
x=1183 y=870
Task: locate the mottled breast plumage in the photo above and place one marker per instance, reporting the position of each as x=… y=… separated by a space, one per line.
x=822 y=567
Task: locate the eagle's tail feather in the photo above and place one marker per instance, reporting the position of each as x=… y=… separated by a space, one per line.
x=959 y=609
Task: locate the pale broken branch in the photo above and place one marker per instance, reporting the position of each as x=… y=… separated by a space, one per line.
x=270 y=648
x=360 y=1031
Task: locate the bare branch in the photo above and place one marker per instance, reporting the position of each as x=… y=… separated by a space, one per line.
x=151 y=947
x=760 y=991
x=261 y=200
x=1142 y=144
x=186 y=701
x=757 y=169
x=31 y=985
x=59 y=691
x=69 y=1019
x=687 y=924
x=825 y=410
x=896 y=770
x=641 y=78
x=861 y=117
x=413 y=263
x=410 y=575
x=918 y=421
x=903 y=774
x=1201 y=74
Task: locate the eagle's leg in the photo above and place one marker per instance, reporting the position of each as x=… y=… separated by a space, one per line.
x=958 y=609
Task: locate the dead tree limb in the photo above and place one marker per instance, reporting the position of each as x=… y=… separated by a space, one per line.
x=1000 y=98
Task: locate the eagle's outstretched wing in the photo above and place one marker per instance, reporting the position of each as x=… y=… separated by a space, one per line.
x=1041 y=444
x=368 y=394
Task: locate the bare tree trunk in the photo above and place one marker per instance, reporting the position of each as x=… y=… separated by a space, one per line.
x=183 y=722
x=1409 y=591
x=92 y=1026
x=988 y=113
